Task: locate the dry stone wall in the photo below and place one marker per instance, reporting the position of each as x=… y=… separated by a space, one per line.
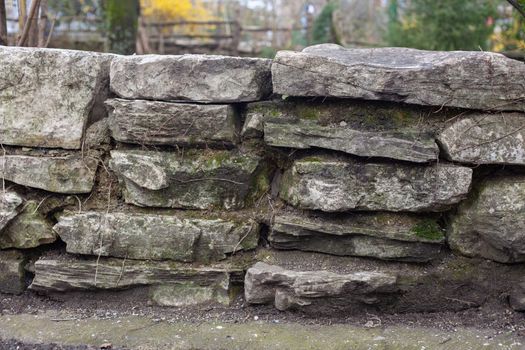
x=327 y=181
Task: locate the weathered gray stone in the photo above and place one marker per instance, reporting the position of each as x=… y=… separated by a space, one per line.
x=47 y=96
x=191 y=293
x=67 y=174
x=486 y=139
x=517 y=297
x=491 y=224
x=457 y=79
x=29 y=229
x=196 y=78
x=165 y=123
x=12 y=273
x=200 y=180
x=409 y=146
x=380 y=235
x=365 y=116
x=335 y=185
x=294 y=289
x=155 y=237
x=10 y=205
x=97 y=135
x=67 y=273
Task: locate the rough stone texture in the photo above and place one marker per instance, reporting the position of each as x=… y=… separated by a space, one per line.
x=97 y=135
x=12 y=273
x=66 y=273
x=10 y=205
x=195 y=78
x=191 y=294
x=164 y=123
x=491 y=224
x=409 y=146
x=385 y=236
x=365 y=116
x=197 y=181
x=29 y=229
x=314 y=283
x=47 y=96
x=335 y=185
x=291 y=289
x=486 y=139
x=477 y=80
x=517 y=297
x=155 y=237
x=67 y=174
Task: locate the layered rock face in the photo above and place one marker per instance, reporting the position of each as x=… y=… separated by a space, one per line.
x=375 y=194
x=430 y=78
x=202 y=181
x=334 y=185
x=199 y=78
x=155 y=237
x=162 y=123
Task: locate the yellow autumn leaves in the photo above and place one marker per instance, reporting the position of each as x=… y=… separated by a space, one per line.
x=175 y=10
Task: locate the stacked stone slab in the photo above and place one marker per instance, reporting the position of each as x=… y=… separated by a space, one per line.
x=48 y=100
x=175 y=122
x=383 y=178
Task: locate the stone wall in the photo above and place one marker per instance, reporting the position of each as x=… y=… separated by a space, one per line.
x=326 y=181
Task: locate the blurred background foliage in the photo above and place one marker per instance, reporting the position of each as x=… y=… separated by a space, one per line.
x=262 y=27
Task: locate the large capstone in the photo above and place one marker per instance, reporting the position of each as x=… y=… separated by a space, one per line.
x=335 y=185
x=197 y=78
x=29 y=229
x=199 y=180
x=10 y=206
x=164 y=123
x=62 y=174
x=155 y=237
x=12 y=271
x=456 y=79
x=486 y=139
x=47 y=96
x=384 y=236
x=491 y=224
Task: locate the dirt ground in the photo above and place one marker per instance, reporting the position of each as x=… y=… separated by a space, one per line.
x=493 y=320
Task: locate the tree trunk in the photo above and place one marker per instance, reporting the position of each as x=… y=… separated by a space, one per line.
x=42 y=25
x=3 y=23
x=122 y=22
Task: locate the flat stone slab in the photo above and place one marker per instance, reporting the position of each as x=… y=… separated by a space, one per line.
x=359 y=128
x=67 y=273
x=155 y=237
x=287 y=289
x=486 y=139
x=164 y=123
x=48 y=95
x=384 y=236
x=199 y=180
x=65 y=174
x=408 y=146
x=337 y=185
x=30 y=229
x=12 y=273
x=455 y=79
x=198 y=78
x=10 y=206
x=491 y=223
